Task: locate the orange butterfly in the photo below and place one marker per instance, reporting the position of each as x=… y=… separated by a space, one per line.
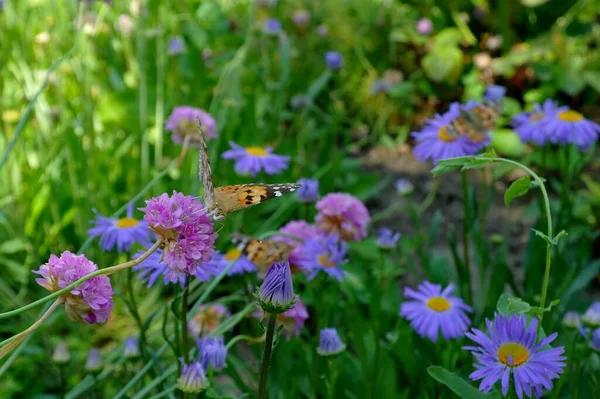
x=475 y=123
x=262 y=253
x=226 y=199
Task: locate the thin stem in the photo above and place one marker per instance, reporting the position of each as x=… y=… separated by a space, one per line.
x=264 y=368
x=377 y=325
x=466 y=228
x=10 y=343
x=332 y=378
x=184 y=330
x=136 y=315
x=102 y=272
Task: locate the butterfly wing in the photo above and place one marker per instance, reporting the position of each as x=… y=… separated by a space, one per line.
x=262 y=253
x=232 y=198
x=475 y=123
x=204 y=169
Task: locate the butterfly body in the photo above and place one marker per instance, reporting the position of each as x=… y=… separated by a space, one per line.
x=262 y=253
x=226 y=199
x=476 y=122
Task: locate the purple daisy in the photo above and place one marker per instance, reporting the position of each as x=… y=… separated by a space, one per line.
x=308 y=191
x=566 y=126
x=176 y=46
x=595 y=341
x=494 y=92
x=591 y=316
x=192 y=378
x=183 y=123
x=344 y=214
x=387 y=239
x=324 y=253
x=272 y=26
x=242 y=264
x=93 y=363
x=131 y=348
x=189 y=239
x=122 y=233
x=251 y=160
x=433 y=142
x=404 y=186
x=301 y=230
x=532 y=126
x=153 y=267
x=91 y=301
x=334 y=60
x=572 y=320
x=330 y=343
x=276 y=294
x=433 y=309
x=212 y=352
x=511 y=349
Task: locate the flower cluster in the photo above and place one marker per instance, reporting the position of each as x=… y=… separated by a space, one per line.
x=323 y=253
x=91 y=301
x=207 y=319
x=343 y=214
x=187 y=231
x=183 y=122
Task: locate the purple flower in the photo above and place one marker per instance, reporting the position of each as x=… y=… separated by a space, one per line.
x=432 y=310
x=192 y=378
x=132 y=348
x=434 y=143
x=532 y=126
x=251 y=160
x=91 y=301
x=334 y=60
x=121 y=233
x=272 y=26
x=189 y=239
x=595 y=342
x=387 y=238
x=404 y=186
x=344 y=214
x=511 y=349
x=300 y=101
x=592 y=315
x=494 y=92
x=301 y=17
x=322 y=30
x=308 y=191
x=212 y=352
x=381 y=86
x=93 y=363
x=301 y=230
x=330 y=343
x=324 y=253
x=276 y=294
x=424 y=26
x=61 y=354
x=183 y=122
x=176 y=46
x=566 y=126
x=572 y=320
x=153 y=267
x=242 y=264
x=207 y=319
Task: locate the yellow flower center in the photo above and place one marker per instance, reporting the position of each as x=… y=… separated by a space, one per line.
x=257 y=151
x=570 y=116
x=518 y=353
x=232 y=254
x=438 y=304
x=126 y=223
x=537 y=116
x=325 y=261
x=444 y=136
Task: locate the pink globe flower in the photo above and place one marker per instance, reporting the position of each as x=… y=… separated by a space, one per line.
x=182 y=123
x=301 y=230
x=343 y=214
x=188 y=234
x=91 y=301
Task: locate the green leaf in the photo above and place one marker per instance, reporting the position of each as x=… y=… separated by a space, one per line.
x=443 y=64
x=533 y=3
x=548 y=240
x=517 y=305
x=458 y=385
x=508 y=142
x=502 y=304
x=559 y=236
x=592 y=78
x=518 y=188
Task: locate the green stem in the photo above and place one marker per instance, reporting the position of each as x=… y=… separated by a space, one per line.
x=184 y=330
x=332 y=379
x=264 y=368
x=377 y=325
x=102 y=272
x=135 y=314
x=466 y=228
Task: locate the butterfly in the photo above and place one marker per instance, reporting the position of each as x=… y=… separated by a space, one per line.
x=220 y=201
x=262 y=253
x=475 y=123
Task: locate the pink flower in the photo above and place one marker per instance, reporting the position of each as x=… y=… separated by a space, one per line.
x=92 y=300
x=182 y=123
x=344 y=214
x=188 y=233
x=303 y=231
